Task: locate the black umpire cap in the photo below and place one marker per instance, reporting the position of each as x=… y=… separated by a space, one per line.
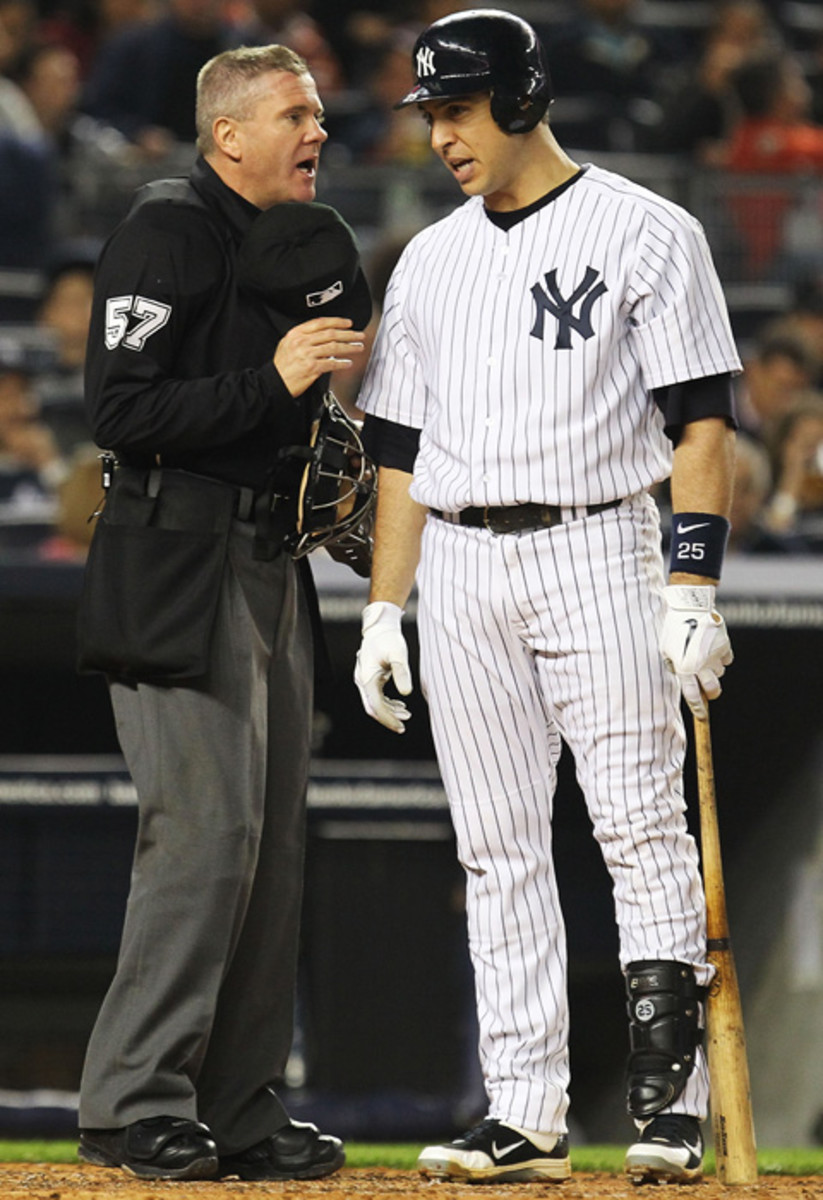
x=302 y=259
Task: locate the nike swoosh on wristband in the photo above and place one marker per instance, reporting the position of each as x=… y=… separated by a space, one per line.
x=502 y=1152
x=689 y=528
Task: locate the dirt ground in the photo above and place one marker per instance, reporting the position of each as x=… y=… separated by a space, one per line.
x=37 y=1181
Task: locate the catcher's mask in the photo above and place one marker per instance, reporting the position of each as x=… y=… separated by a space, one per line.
x=337 y=491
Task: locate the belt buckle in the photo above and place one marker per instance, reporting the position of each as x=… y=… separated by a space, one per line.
x=497 y=524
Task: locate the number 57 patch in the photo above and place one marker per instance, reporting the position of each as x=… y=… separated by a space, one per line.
x=148 y=316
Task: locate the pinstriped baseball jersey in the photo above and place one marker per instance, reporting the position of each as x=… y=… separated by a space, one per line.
x=526 y=355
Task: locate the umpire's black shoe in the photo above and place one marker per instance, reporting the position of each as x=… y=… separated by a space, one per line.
x=669 y=1150
x=297 y=1151
x=157 y=1148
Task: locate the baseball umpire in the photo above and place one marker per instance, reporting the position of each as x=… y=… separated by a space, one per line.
x=202 y=369
x=548 y=353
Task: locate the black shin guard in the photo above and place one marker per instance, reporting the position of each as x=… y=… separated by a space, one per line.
x=664 y=1033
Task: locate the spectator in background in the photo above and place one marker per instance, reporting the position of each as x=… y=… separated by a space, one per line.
x=18 y=25
x=778 y=371
x=28 y=168
x=775 y=132
x=803 y=321
x=290 y=23
x=143 y=82
x=84 y=26
x=48 y=74
x=796 y=505
x=752 y=487
x=361 y=30
x=42 y=159
x=65 y=310
x=608 y=60
x=63 y=316
x=814 y=78
x=31 y=466
x=379 y=133
x=699 y=113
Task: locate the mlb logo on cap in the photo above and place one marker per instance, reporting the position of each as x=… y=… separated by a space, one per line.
x=315 y=299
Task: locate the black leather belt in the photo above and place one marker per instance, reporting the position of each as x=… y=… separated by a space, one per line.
x=521 y=518
x=245 y=498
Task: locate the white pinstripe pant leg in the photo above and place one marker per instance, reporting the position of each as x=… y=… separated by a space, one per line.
x=619 y=710
x=497 y=755
x=520 y=637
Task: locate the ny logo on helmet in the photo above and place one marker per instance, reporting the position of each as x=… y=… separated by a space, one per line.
x=425 y=61
x=559 y=306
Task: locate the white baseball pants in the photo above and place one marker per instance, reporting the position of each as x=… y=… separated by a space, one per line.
x=527 y=639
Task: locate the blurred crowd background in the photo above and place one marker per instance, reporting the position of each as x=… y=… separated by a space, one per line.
x=717 y=104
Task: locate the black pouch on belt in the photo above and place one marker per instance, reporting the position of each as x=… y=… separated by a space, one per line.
x=152 y=579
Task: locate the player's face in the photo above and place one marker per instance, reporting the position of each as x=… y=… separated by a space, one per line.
x=279 y=142
x=484 y=160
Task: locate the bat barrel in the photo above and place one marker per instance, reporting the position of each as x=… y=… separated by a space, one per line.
x=732 y=1120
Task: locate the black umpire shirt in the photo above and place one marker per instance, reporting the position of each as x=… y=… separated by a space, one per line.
x=179 y=368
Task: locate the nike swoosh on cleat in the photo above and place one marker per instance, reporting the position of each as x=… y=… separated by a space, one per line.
x=689 y=528
x=695 y=1150
x=502 y=1152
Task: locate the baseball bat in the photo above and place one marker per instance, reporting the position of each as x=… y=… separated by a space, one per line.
x=731 y=1106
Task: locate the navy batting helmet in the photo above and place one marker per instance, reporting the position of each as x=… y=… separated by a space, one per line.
x=484 y=50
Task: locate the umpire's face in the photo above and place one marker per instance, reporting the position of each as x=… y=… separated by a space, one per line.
x=276 y=146
x=484 y=160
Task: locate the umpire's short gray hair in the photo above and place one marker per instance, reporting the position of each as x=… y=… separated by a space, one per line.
x=227 y=85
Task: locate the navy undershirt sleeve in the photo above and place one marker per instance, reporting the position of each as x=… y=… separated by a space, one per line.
x=694 y=400
x=390 y=444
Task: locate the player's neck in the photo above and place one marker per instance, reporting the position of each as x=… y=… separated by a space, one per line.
x=545 y=166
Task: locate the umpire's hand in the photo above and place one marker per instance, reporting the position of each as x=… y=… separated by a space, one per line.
x=695 y=643
x=314 y=347
x=383 y=655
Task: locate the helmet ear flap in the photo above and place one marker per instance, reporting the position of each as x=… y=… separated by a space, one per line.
x=516 y=114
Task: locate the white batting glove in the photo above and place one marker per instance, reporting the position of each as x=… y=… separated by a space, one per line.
x=383 y=655
x=695 y=643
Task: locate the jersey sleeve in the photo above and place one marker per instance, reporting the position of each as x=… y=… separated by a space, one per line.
x=393 y=387
x=679 y=322
x=151 y=385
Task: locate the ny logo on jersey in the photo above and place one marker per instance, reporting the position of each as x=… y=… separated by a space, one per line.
x=425 y=61
x=587 y=291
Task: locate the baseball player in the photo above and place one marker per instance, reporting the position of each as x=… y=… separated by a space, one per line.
x=547 y=354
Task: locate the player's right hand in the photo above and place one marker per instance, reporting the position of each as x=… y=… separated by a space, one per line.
x=695 y=643
x=314 y=347
x=383 y=655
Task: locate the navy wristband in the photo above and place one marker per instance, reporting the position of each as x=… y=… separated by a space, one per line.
x=698 y=543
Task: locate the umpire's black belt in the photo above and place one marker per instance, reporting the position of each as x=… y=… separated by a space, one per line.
x=522 y=518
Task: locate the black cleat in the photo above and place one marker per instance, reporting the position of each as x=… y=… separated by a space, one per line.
x=495 y=1153
x=297 y=1151
x=157 y=1148
x=669 y=1150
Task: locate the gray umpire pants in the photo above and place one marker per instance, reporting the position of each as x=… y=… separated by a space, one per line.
x=198 y=1020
